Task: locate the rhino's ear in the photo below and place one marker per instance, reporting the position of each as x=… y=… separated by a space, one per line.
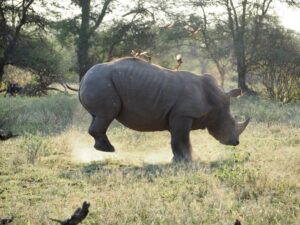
x=234 y=92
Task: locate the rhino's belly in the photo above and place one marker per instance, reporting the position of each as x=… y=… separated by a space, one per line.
x=142 y=122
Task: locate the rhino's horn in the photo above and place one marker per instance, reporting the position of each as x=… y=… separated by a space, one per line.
x=240 y=127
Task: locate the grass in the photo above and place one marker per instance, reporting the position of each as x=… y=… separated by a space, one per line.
x=52 y=168
x=45 y=115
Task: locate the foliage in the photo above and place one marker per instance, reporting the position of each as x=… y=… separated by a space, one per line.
x=96 y=40
x=215 y=40
x=277 y=63
x=123 y=37
x=14 y=16
x=42 y=58
x=174 y=38
x=240 y=15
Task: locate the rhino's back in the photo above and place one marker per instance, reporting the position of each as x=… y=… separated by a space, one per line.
x=144 y=94
x=147 y=94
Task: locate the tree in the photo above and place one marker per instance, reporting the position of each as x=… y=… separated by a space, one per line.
x=238 y=16
x=121 y=39
x=277 y=63
x=172 y=38
x=90 y=21
x=86 y=30
x=213 y=39
x=14 y=16
x=42 y=58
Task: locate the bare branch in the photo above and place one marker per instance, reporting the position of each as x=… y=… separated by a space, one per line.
x=54 y=89
x=140 y=10
x=243 y=21
x=230 y=20
x=66 y=86
x=71 y=88
x=235 y=15
x=265 y=7
x=101 y=16
x=294 y=3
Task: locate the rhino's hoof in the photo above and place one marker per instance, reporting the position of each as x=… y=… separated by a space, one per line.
x=104 y=146
x=179 y=159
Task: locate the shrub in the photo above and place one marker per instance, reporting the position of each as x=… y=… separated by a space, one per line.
x=277 y=62
x=37 y=114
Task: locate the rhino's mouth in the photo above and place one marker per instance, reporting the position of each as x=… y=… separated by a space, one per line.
x=231 y=142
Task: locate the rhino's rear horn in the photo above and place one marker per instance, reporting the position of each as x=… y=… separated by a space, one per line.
x=234 y=92
x=240 y=127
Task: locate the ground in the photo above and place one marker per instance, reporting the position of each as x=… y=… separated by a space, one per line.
x=52 y=168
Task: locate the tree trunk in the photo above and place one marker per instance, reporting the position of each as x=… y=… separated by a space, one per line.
x=239 y=49
x=2 y=64
x=241 y=69
x=203 y=66
x=83 y=42
x=222 y=73
x=222 y=77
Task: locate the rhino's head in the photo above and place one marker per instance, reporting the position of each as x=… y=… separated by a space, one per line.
x=221 y=124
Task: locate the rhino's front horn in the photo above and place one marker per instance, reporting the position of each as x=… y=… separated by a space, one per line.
x=240 y=127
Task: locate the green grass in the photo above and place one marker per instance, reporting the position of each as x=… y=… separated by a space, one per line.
x=52 y=168
x=45 y=115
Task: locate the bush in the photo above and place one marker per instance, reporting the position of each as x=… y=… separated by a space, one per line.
x=37 y=114
x=34 y=147
x=277 y=62
x=42 y=57
x=265 y=110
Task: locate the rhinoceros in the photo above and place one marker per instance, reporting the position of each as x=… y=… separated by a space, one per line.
x=146 y=97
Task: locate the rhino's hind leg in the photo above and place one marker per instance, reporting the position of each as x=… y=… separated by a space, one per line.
x=180 y=139
x=98 y=130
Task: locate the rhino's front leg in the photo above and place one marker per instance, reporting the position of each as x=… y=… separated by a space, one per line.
x=180 y=128
x=98 y=130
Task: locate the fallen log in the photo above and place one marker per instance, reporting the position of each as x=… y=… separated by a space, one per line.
x=6 y=136
x=78 y=216
x=4 y=221
x=237 y=222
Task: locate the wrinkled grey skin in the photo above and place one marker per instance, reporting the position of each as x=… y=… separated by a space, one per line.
x=146 y=97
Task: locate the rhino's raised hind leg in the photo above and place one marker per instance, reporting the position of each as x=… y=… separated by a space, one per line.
x=180 y=128
x=98 y=130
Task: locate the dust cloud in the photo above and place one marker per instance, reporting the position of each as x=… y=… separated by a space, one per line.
x=84 y=152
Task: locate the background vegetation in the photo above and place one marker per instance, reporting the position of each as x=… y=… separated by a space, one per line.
x=61 y=41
